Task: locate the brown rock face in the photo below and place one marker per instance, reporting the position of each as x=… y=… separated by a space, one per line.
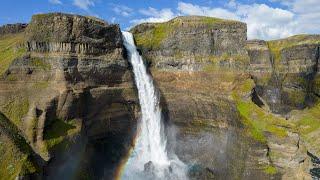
x=77 y=88
x=69 y=107
x=191 y=43
x=202 y=102
x=12 y=28
x=286 y=76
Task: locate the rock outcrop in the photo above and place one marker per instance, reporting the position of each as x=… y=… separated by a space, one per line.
x=221 y=116
x=192 y=43
x=233 y=108
x=71 y=92
x=12 y=28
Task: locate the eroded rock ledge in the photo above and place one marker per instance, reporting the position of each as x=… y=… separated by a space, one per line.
x=234 y=108
x=71 y=94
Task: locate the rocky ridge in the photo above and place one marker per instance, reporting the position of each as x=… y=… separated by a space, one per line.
x=71 y=92
x=233 y=108
x=239 y=90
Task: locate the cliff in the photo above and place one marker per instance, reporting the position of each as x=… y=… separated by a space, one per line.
x=12 y=28
x=68 y=89
x=221 y=92
x=192 y=43
x=232 y=107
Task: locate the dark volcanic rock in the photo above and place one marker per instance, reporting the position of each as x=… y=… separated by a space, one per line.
x=72 y=34
x=191 y=42
x=12 y=28
x=80 y=102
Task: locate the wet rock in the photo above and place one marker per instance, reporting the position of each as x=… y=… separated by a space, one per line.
x=149 y=168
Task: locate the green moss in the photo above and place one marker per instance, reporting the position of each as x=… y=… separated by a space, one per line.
x=153 y=38
x=253 y=128
x=276 y=46
x=15 y=153
x=309 y=123
x=270 y=170
x=9 y=50
x=16 y=108
x=11 y=77
x=41 y=85
x=256 y=119
x=58 y=131
x=211 y=68
x=40 y=64
x=295 y=97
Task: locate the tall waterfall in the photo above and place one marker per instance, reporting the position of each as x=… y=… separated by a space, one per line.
x=149 y=159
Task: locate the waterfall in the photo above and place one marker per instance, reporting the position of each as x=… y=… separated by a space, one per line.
x=149 y=159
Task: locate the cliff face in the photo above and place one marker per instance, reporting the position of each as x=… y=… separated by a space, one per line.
x=192 y=43
x=71 y=91
x=291 y=82
x=12 y=28
x=233 y=108
x=204 y=69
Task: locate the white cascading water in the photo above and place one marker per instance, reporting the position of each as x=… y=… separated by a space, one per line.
x=149 y=159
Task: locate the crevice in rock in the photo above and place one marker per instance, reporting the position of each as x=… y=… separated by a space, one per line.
x=256 y=99
x=315 y=170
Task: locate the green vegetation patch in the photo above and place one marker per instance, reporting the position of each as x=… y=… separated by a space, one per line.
x=270 y=170
x=40 y=64
x=15 y=153
x=256 y=119
x=152 y=35
x=309 y=120
x=41 y=84
x=9 y=50
x=16 y=108
x=276 y=46
x=57 y=133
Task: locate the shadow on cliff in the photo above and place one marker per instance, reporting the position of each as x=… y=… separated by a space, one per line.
x=110 y=128
x=13 y=133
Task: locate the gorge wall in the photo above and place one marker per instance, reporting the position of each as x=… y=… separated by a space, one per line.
x=70 y=94
x=225 y=95
x=233 y=108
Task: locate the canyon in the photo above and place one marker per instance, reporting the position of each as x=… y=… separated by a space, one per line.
x=232 y=108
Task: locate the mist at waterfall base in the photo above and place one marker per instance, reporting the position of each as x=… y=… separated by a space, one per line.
x=149 y=159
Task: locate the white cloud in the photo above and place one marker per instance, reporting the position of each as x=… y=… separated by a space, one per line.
x=155 y=15
x=55 y=2
x=190 y=9
x=83 y=4
x=122 y=10
x=307 y=14
x=263 y=21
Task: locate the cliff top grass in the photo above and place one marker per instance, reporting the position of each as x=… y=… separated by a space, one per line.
x=56 y=14
x=60 y=27
x=276 y=46
x=9 y=49
x=151 y=35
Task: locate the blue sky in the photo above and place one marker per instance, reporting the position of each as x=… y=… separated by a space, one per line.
x=266 y=19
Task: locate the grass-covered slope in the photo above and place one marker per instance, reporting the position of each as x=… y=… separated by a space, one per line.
x=276 y=46
x=15 y=153
x=9 y=49
x=257 y=120
x=308 y=123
